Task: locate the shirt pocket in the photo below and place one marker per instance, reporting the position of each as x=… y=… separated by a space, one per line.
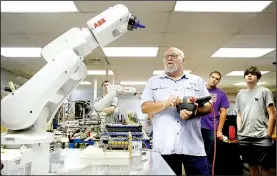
x=160 y=93
x=191 y=89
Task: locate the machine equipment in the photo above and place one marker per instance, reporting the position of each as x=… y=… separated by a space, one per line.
x=85 y=131
x=26 y=111
x=116 y=135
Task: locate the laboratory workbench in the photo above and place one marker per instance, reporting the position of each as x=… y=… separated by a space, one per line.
x=67 y=162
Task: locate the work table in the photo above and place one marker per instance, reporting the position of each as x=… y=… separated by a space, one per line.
x=67 y=162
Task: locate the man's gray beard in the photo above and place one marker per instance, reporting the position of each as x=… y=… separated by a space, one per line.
x=170 y=70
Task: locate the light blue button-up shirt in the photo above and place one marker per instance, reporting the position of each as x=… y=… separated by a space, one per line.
x=171 y=134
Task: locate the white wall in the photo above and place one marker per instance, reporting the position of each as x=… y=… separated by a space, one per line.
x=232 y=97
x=81 y=93
x=132 y=104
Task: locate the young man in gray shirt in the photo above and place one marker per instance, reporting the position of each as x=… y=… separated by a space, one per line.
x=110 y=111
x=256 y=119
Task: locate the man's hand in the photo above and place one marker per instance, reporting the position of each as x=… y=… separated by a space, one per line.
x=219 y=135
x=173 y=101
x=185 y=114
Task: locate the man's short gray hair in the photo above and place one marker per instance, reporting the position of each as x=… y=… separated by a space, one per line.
x=180 y=52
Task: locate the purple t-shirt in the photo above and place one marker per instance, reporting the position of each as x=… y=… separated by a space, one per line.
x=220 y=100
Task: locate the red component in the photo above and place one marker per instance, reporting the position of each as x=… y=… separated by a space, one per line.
x=192 y=99
x=89 y=134
x=232 y=133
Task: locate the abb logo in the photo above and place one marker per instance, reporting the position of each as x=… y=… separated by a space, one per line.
x=99 y=23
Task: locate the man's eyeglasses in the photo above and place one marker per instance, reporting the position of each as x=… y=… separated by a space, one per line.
x=173 y=56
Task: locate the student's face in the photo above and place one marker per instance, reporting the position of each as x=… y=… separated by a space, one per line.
x=105 y=86
x=251 y=78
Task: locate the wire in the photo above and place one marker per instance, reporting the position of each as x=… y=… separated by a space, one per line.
x=78 y=131
x=141 y=141
x=214 y=157
x=104 y=126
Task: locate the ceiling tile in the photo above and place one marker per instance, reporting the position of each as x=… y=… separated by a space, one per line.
x=6 y=28
x=271 y=55
x=271 y=8
x=129 y=61
x=88 y=16
x=264 y=24
x=133 y=6
x=251 y=41
x=154 y=22
x=97 y=61
x=134 y=39
x=30 y=63
x=44 y=22
x=225 y=23
x=16 y=40
x=97 y=67
x=42 y=40
x=264 y=63
x=199 y=35
x=132 y=71
x=223 y=65
x=201 y=45
x=10 y=63
x=191 y=63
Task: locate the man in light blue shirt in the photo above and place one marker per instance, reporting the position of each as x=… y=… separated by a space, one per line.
x=177 y=136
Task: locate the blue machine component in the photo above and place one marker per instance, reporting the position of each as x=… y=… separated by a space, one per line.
x=125 y=134
x=80 y=141
x=56 y=121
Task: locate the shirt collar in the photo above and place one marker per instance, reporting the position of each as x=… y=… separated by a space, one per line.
x=164 y=75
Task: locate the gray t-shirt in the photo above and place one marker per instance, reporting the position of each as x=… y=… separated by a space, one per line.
x=252 y=104
x=111 y=118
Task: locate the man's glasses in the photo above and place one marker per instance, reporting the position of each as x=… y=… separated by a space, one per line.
x=173 y=56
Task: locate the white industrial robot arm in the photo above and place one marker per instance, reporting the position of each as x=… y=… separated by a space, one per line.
x=113 y=91
x=37 y=101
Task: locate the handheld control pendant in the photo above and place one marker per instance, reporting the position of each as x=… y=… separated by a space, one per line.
x=188 y=103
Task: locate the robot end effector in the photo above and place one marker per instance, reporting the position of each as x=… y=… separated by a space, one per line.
x=64 y=70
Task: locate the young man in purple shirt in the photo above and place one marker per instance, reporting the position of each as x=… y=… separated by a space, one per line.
x=220 y=105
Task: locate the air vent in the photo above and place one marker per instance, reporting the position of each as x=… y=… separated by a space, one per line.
x=93 y=62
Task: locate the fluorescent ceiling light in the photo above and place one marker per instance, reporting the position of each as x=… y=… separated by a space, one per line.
x=241 y=73
x=37 y=6
x=85 y=83
x=244 y=83
x=131 y=51
x=221 y=6
x=242 y=52
x=158 y=72
x=133 y=83
x=21 y=52
x=99 y=72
